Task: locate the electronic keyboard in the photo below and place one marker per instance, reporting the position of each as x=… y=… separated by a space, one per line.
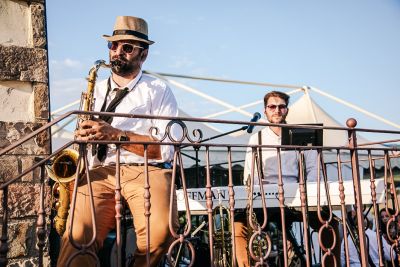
x=220 y=195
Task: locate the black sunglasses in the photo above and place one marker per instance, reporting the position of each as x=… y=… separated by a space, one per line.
x=126 y=47
x=273 y=107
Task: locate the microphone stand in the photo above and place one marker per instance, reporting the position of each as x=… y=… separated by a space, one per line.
x=220 y=135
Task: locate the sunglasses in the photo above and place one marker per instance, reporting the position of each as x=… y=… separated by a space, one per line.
x=126 y=47
x=273 y=107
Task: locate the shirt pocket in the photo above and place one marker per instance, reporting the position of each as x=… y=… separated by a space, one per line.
x=138 y=125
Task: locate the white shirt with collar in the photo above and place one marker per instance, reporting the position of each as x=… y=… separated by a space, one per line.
x=289 y=160
x=147 y=96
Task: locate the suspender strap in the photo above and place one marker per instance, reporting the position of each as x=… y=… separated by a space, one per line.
x=260 y=154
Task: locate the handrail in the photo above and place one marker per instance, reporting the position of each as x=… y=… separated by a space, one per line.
x=32 y=134
x=43 y=161
x=78 y=112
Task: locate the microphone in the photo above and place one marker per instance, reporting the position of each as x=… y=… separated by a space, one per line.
x=255 y=118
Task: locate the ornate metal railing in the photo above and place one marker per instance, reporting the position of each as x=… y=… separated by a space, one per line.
x=266 y=246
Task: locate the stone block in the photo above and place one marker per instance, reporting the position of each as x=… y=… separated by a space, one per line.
x=8 y=168
x=24 y=200
x=21 y=239
x=23 y=64
x=11 y=166
x=15 y=23
x=28 y=262
x=38 y=25
x=35 y=146
x=17 y=101
x=3 y=134
x=42 y=139
x=26 y=163
x=41 y=100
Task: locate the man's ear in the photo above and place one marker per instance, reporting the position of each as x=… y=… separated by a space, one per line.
x=144 y=54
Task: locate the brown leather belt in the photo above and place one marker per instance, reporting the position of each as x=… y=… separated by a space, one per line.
x=161 y=165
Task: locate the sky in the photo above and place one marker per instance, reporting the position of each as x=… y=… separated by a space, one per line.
x=348 y=49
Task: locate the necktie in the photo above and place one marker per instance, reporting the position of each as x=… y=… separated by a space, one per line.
x=102 y=149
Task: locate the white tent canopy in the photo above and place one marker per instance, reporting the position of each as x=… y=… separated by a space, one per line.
x=306 y=110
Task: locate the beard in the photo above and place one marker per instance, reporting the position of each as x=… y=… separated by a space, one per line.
x=121 y=66
x=277 y=119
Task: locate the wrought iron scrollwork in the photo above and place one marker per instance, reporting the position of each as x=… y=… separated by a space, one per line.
x=326 y=222
x=260 y=242
x=197 y=133
x=180 y=239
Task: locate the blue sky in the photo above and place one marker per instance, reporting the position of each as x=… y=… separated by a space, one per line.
x=349 y=49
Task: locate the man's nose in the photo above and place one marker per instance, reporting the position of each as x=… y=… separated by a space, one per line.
x=119 y=50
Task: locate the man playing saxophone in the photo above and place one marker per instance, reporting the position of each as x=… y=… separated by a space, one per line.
x=127 y=90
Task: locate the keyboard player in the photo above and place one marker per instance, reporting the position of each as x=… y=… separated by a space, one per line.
x=275 y=110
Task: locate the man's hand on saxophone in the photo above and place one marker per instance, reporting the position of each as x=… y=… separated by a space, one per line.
x=96 y=129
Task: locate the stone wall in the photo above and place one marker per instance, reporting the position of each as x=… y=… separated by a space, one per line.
x=24 y=107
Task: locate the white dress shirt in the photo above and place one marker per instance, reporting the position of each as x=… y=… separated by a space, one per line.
x=289 y=160
x=147 y=96
x=372 y=250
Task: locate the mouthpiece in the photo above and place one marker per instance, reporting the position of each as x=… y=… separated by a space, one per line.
x=115 y=63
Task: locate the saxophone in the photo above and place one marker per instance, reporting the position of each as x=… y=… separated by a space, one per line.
x=222 y=235
x=64 y=165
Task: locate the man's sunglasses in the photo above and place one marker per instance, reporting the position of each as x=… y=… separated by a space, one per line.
x=126 y=47
x=273 y=107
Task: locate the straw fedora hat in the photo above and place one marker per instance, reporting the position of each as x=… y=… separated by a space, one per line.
x=129 y=28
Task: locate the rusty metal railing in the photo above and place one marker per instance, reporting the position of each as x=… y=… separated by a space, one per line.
x=257 y=198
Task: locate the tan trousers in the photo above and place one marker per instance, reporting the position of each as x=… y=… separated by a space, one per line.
x=132 y=184
x=241 y=240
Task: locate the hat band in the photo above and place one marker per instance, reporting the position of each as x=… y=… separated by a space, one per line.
x=130 y=32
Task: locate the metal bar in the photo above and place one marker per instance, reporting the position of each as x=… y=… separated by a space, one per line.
x=275 y=85
x=231 y=205
x=118 y=206
x=4 y=229
x=43 y=161
x=82 y=248
x=209 y=207
x=381 y=142
x=180 y=239
x=171 y=196
x=34 y=133
x=188 y=216
x=343 y=208
x=376 y=208
x=250 y=219
x=40 y=225
x=325 y=222
x=264 y=204
x=351 y=123
x=147 y=203
x=304 y=206
x=281 y=195
x=232 y=122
